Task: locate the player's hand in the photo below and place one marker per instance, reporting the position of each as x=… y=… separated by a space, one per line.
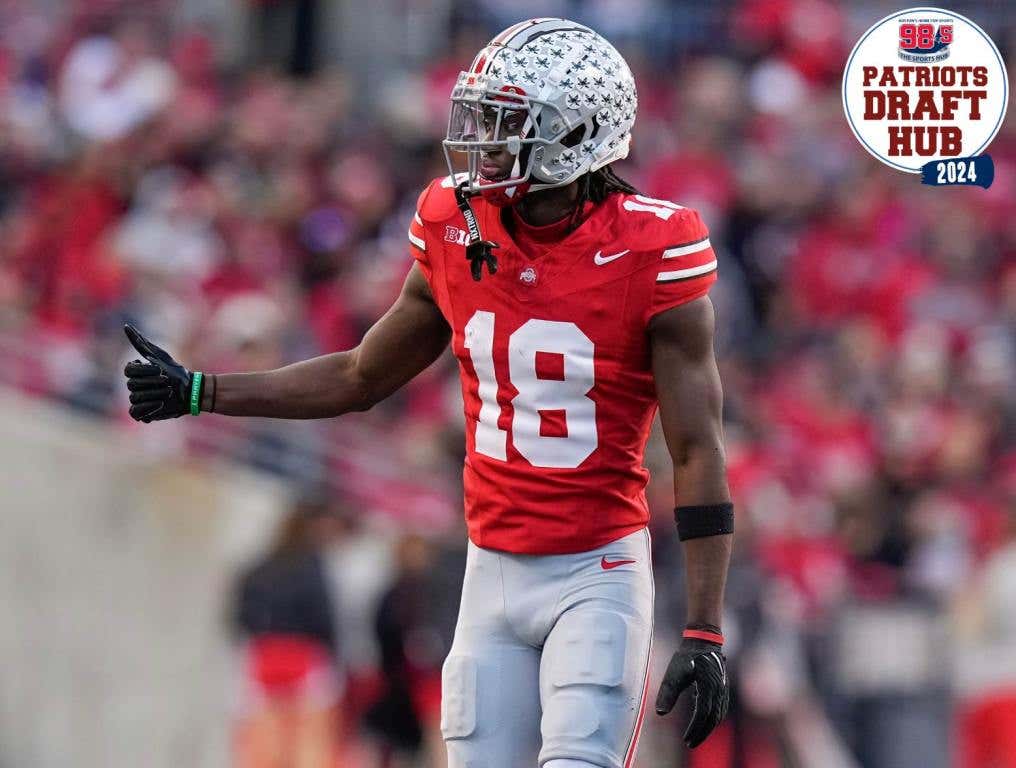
x=160 y=387
x=702 y=666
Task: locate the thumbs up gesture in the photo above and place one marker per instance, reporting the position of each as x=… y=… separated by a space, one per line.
x=160 y=388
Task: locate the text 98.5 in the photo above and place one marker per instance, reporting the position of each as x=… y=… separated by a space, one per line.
x=922 y=36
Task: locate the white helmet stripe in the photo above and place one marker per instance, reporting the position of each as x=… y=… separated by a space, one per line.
x=531 y=36
x=531 y=31
x=506 y=35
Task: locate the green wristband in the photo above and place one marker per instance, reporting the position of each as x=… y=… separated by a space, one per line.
x=195 y=392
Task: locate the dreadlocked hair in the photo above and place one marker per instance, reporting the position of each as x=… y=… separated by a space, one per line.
x=596 y=186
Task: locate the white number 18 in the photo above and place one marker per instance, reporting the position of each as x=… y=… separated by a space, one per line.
x=568 y=394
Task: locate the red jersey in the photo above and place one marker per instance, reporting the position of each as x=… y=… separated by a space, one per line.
x=555 y=363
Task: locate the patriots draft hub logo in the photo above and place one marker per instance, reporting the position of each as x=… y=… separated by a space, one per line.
x=924 y=85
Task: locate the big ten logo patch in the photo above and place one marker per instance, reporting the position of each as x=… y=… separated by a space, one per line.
x=922 y=85
x=456 y=235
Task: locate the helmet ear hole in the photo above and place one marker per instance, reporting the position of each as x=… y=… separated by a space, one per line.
x=576 y=136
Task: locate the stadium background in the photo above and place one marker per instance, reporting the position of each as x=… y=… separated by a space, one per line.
x=237 y=179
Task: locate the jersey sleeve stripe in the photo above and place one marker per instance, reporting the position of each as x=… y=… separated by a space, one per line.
x=450 y=182
x=684 y=274
x=654 y=201
x=417 y=219
x=417 y=241
x=687 y=248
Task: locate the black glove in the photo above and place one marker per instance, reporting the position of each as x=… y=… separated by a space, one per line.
x=702 y=665
x=160 y=388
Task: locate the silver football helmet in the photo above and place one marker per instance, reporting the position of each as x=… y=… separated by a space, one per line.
x=554 y=94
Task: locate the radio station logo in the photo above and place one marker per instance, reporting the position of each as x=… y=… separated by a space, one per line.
x=924 y=43
x=926 y=86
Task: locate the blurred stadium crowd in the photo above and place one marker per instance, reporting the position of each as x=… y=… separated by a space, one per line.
x=251 y=211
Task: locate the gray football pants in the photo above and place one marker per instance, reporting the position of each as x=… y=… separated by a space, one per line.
x=550 y=657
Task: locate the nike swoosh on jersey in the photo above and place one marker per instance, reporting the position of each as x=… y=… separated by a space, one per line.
x=608 y=564
x=601 y=260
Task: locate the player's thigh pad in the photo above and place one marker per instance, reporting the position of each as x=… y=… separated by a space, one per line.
x=490 y=707
x=458 y=697
x=592 y=684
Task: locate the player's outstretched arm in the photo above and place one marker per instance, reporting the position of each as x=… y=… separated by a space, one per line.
x=409 y=337
x=690 y=395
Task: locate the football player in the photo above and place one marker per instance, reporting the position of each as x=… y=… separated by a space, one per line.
x=576 y=307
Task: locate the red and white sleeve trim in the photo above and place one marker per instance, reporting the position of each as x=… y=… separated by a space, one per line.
x=694 y=258
x=684 y=274
x=416 y=237
x=687 y=249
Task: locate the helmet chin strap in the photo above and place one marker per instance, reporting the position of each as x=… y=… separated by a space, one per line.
x=513 y=146
x=478 y=251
